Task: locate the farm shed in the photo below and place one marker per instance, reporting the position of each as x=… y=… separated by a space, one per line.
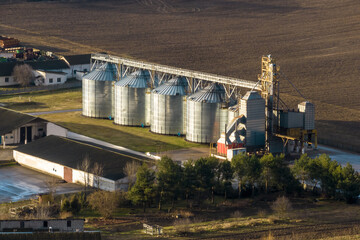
x=62 y=157
x=57 y=225
x=22 y=128
x=16 y=127
x=6 y=69
x=49 y=77
x=78 y=63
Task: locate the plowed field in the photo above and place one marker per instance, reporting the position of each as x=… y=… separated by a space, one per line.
x=316 y=43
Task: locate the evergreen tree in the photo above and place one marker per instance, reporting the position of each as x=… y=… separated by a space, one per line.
x=253 y=171
x=189 y=179
x=226 y=175
x=143 y=189
x=205 y=170
x=238 y=164
x=349 y=184
x=168 y=180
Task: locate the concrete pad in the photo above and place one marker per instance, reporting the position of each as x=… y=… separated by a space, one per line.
x=186 y=154
x=20 y=183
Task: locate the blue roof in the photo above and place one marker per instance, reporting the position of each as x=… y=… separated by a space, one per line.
x=106 y=72
x=213 y=93
x=138 y=79
x=173 y=87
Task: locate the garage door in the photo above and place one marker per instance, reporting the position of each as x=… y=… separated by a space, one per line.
x=68 y=174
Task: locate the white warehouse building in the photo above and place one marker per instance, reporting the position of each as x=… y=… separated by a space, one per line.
x=62 y=157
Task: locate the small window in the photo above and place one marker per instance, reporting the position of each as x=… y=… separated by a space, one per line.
x=6 y=79
x=22 y=224
x=85 y=70
x=58 y=79
x=40 y=129
x=50 y=80
x=45 y=224
x=74 y=71
x=69 y=223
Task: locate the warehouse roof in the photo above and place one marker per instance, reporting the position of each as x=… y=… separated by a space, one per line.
x=7 y=68
x=71 y=153
x=11 y=120
x=78 y=59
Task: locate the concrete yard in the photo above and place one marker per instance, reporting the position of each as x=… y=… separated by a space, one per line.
x=19 y=183
x=182 y=155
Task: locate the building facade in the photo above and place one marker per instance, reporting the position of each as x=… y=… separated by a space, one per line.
x=56 y=225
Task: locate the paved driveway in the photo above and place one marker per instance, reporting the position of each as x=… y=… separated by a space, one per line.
x=19 y=183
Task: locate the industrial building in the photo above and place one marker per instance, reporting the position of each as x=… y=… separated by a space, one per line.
x=62 y=157
x=206 y=108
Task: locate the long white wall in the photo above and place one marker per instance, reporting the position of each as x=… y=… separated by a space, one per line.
x=56 y=169
x=7 y=81
x=39 y=164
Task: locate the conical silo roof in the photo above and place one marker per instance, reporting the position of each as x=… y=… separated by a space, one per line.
x=213 y=93
x=138 y=79
x=173 y=87
x=106 y=72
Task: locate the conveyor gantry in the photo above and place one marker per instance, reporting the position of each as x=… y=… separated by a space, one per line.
x=229 y=81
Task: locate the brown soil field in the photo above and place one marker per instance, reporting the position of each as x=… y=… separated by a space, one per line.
x=316 y=43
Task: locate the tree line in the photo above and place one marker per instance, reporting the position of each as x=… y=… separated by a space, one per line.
x=204 y=178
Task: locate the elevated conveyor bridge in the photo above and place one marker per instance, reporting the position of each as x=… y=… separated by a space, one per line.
x=195 y=79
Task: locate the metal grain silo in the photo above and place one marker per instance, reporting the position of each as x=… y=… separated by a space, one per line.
x=97 y=91
x=252 y=106
x=132 y=100
x=167 y=102
x=309 y=114
x=203 y=114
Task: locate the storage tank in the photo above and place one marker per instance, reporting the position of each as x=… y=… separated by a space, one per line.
x=203 y=114
x=132 y=100
x=309 y=114
x=167 y=104
x=252 y=106
x=97 y=91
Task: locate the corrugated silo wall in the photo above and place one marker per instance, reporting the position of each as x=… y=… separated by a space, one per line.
x=130 y=106
x=167 y=114
x=223 y=120
x=147 y=107
x=254 y=110
x=203 y=122
x=97 y=98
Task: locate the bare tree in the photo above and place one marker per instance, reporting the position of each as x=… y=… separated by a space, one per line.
x=105 y=202
x=98 y=171
x=51 y=185
x=130 y=170
x=282 y=207
x=85 y=167
x=23 y=74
